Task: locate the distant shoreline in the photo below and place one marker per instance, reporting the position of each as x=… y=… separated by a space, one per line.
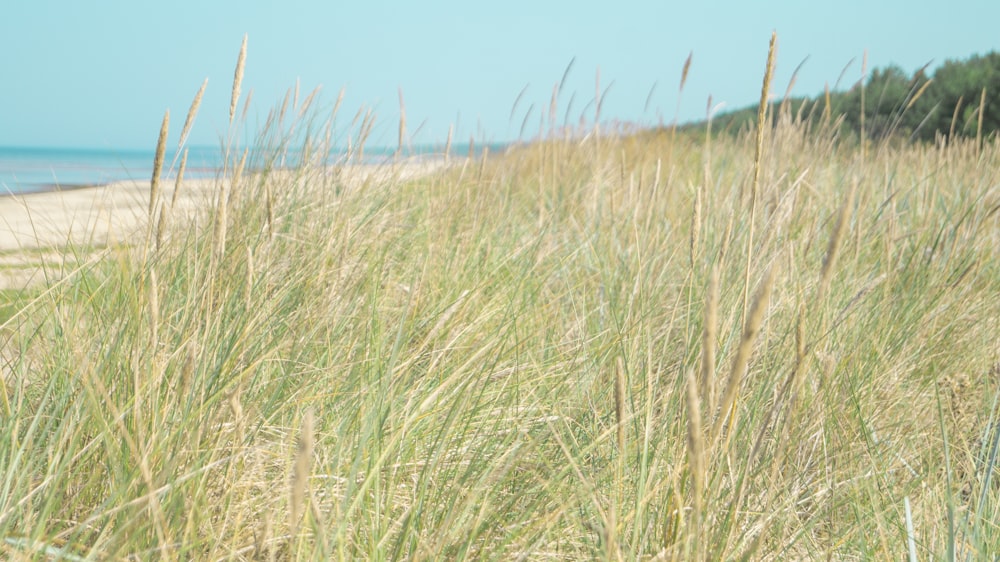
x=95 y=215
x=40 y=188
x=31 y=170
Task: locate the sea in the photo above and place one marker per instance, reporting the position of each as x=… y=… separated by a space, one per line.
x=34 y=169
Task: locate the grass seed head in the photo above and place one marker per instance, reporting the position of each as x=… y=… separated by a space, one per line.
x=192 y=111
x=161 y=147
x=741 y=359
x=238 y=79
x=301 y=467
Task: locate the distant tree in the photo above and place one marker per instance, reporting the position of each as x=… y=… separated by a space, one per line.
x=918 y=107
x=887 y=93
x=956 y=94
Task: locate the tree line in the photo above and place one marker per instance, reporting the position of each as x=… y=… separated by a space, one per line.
x=961 y=98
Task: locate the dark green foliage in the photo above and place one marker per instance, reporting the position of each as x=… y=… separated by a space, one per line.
x=960 y=85
x=900 y=106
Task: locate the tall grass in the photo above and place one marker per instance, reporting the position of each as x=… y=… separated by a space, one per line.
x=527 y=357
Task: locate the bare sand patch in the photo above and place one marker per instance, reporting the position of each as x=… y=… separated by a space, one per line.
x=38 y=229
x=86 y=216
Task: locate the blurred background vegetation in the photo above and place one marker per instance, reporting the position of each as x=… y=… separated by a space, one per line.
x=923 y=106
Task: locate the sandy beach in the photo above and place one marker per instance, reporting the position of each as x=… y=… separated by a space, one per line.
x=90 y=215
x=36 y=228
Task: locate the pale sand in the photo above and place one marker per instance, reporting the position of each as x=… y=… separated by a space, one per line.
x=90 y=215
x=36 y=228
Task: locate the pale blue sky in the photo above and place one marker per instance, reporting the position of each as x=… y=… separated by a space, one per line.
x=100 y=74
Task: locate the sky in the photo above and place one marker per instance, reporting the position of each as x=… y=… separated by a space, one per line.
x=100 y=74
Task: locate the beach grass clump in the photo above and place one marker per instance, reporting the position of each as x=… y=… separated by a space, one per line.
x=525 y=356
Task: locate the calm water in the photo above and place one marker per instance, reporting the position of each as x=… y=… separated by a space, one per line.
x=26 y=170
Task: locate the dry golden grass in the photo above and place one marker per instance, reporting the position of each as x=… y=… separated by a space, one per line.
x=192 y=112
x=708 y=342
x=754 y=320
x=696 y=460
x=836 y=238
x=402 y=125
x=765 y=91
x=237 y=79
x=300 y=473
x=517 y=358
x=161 y=145
x=620 y=408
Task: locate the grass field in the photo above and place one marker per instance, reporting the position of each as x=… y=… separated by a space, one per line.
x=651 y=346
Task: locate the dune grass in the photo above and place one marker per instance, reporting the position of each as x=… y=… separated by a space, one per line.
x=652 y=346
